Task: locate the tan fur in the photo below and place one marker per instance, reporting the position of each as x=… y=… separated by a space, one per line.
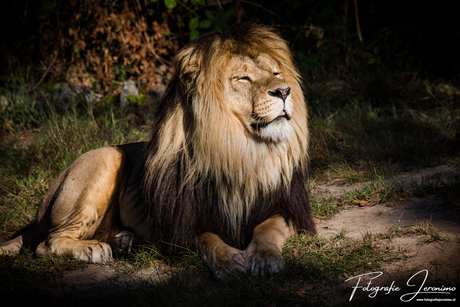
x=240 y=138
x=264 y=252
x=74 y=207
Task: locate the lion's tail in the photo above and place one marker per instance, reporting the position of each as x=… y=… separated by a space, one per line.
x=30 y=239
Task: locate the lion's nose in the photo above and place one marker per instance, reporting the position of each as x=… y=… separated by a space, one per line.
x=280 y=93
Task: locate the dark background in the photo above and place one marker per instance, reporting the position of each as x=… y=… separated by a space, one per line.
x=52 y=41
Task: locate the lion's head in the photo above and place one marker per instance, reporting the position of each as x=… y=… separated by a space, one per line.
x=248 y=75
x=233 y=121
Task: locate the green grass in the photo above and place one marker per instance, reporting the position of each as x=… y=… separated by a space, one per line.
x=429 y=232
x=368 y=194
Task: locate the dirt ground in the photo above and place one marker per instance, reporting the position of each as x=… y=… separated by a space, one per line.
x=435 y=264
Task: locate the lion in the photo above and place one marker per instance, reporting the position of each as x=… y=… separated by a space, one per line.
x=224 y=172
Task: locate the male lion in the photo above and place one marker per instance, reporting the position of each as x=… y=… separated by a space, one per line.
x=224 y=172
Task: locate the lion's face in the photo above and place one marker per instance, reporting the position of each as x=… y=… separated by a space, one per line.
x=256 y=92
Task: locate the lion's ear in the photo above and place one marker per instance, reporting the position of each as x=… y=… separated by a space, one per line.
x=187 y=63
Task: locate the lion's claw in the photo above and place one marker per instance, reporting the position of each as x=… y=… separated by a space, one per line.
x=233 y=265
x=261 y=263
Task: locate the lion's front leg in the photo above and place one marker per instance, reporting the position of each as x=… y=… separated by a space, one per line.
x=263 y=254
x=222 y=259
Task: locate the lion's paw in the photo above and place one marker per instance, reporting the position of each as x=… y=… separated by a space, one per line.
x=93 y=252
x=232 y=263
x=11 y=247
x=263 y=262
x=123 y=243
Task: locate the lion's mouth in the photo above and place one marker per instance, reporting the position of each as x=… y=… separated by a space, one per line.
x=261 y=124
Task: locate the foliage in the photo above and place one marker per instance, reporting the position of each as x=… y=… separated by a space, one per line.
x=101 y=43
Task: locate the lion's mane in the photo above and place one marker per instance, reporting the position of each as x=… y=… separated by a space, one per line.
x=203 y=172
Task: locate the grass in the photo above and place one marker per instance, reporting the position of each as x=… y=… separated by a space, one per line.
x=367 y=194
x=358 y=140
x=428 y=230
x=357 y=143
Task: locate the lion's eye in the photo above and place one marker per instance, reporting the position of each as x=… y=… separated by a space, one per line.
x=277 y=74
x=245 y=79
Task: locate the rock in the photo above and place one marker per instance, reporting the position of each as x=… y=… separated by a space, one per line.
x=129 y=89
x=66 y=93
x=4 y=101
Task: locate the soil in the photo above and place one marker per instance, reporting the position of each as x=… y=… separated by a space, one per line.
x=438 y=262
x=434 y=264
